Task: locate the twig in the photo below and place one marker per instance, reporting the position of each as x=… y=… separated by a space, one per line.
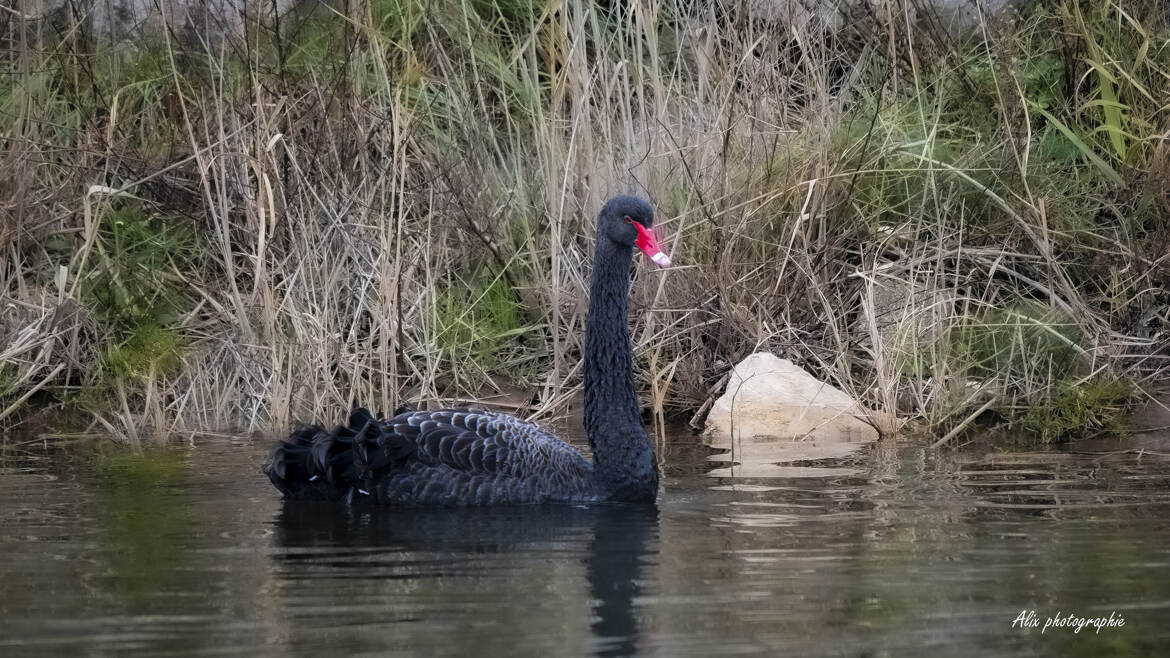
x=29 y=393
x=967 y=421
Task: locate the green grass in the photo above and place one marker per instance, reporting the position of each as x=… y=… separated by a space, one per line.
x=148 y=350
x=480 y=322
x=1026 y=343
x=1079 y=410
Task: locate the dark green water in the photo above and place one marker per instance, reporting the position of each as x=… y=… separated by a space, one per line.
x=190 y=552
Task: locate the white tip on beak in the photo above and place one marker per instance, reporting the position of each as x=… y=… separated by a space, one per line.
x=661 y=259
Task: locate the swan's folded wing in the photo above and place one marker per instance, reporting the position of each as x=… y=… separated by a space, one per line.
x=482 y=442
x=447 y=457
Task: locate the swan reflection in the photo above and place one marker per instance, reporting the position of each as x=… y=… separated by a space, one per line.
x=452 y=580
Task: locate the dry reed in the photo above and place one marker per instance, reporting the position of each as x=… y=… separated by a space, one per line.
x=392 y=202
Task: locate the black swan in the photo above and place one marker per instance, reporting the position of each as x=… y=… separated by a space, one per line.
x=473 y=457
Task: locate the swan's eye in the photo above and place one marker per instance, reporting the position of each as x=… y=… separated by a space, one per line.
x=628 y=219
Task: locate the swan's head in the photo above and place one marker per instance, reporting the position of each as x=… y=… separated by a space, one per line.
x=629 y=221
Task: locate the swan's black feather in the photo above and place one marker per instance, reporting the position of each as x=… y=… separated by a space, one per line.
x=445 y=457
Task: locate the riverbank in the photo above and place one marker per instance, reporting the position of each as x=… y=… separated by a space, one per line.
x=394 y=202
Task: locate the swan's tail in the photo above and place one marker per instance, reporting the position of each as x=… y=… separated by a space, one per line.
x=316 y=464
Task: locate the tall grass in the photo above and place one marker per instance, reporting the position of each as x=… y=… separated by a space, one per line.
x=391 y=201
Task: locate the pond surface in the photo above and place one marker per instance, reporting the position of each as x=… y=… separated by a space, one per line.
x=893 y=551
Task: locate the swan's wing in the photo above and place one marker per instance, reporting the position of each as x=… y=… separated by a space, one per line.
x=483 y=442
x=451 y=456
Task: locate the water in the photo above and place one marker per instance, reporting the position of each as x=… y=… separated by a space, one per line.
x=889 y=552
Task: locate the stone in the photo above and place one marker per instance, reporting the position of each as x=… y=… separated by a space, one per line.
x=774 y=400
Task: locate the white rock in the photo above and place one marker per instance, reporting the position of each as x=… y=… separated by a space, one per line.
x=776 y=399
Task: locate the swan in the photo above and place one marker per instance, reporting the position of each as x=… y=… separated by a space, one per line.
x=462 y=457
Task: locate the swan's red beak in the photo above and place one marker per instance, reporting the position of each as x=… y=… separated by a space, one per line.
x=649 y=246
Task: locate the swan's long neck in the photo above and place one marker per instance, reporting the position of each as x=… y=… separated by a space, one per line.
x=623 y=458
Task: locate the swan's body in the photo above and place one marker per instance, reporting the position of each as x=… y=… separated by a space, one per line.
x=472 y=457
x=447 y=457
